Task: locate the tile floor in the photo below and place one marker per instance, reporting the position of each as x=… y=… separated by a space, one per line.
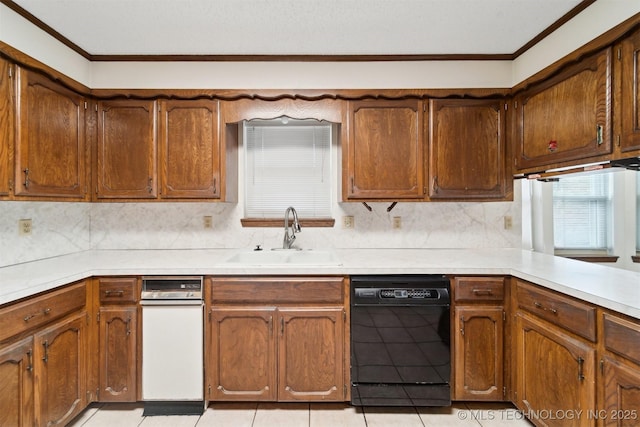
x=308 y=415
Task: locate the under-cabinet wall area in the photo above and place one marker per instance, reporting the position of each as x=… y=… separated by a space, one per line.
x=65 y=227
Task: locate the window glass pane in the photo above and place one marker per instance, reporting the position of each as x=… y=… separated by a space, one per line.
x=582 y=212
x=288 y=165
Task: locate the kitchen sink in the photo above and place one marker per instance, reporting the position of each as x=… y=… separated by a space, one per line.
x=285 y=257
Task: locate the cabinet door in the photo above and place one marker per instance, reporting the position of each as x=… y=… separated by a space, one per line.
x=60 y=363
x=242 y=355
x=466 y=149
x=566 y=118
x=118 y=354
x=189 y=150
x=478 y=354
x=311 y=344
x=384 y=150
x=16 y=384
x=6 y=126
x=554 y=372
x=621 y=394
x=50 y=139
x=628 y=92
x=126 y=153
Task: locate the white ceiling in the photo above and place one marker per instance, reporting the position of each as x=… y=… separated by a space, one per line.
x=298 y=27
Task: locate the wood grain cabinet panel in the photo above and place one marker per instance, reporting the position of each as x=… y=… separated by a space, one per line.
x=242 y=359
x=190 y=149
x=384 y=150
x=467 y=149
x=7 y=119
x=628 y=94
x=118 y=346
x=311 y=354
x=50 y=153
x=61 y=364
x=554 y=372
x=126 y=165
x=567 y=118
x=16 y=383
x=478 y=356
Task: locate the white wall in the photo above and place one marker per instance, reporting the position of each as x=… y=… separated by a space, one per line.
x=590 y=23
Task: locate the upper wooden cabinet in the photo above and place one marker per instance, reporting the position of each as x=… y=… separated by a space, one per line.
x=50 y=143
x=189 y=149
x=181 y=136
x=627 y=83
x=6 y=125
x=466 y=149
x=567 y=118
x=126 y=152
x=384 y=150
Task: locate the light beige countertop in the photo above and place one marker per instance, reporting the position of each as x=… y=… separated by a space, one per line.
x=609 y=287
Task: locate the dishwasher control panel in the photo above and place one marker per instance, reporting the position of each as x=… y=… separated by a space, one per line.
x=172 y=288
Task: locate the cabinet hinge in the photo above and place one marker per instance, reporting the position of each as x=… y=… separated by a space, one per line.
x=96 y=108
x=504 y=316
x=515 y=104
x=506 y=106
x=424 y=108
x=602 y=366
x=618 y=140
x=209 y=390
x=97 y=394
x=86 y=105
x=98 y=317
x=344 y=316
x=344 y=389
x=619 y=54
x=10 y=72
x=504 y=392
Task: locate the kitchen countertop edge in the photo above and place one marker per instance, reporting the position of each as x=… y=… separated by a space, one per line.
x=608 y=287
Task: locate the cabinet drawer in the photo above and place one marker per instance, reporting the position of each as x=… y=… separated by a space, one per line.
x=118 y=290
x=41 y=310
x=622 y=337
x=479 y=289
x=277 y=290
x=568 y=313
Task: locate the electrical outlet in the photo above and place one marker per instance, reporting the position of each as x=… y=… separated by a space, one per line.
x=24 y=227
x=508 y=222
x=207 y=221
x=347 y=221
x=397 y=222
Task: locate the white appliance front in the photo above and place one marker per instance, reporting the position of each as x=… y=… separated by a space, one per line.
x=172 y=351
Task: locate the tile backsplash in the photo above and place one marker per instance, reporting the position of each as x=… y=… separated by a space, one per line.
x=60 y=228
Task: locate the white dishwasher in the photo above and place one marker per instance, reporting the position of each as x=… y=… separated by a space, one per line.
x=172 y=346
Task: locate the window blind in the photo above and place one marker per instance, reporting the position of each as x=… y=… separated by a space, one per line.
x=582 y=212
x=288 y=165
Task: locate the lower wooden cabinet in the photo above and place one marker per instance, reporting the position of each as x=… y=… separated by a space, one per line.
x=16 y=383
x=60 y=358
x=555 y=373
x=277 y=339
x=243 y=349
x=621 y=388
x=310 y=354
x=478 y=356
x=478 y=338
x=283 y=354
x=118 y=340
x=620 y=371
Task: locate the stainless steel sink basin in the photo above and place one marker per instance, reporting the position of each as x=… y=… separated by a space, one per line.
x=308 y=257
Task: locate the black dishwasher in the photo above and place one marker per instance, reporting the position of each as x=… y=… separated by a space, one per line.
x=400 y=340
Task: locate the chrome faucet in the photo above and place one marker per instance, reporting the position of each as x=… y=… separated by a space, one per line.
x=295 y=228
